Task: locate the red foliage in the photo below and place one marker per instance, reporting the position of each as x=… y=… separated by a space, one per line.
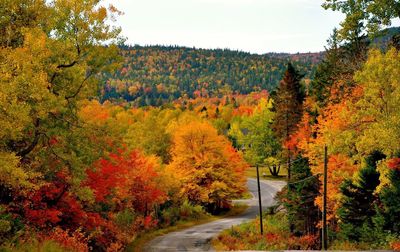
x=301 y=136
x=52 y=204
x=271 y=237
x=395 y=245
x=394 y=164
x=75 y=241
x=126 y=178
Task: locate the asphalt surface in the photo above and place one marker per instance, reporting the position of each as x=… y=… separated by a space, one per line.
x=198 y=238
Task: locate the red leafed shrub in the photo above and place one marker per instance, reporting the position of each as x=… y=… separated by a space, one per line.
x=53 y=205
x=126 y=179
x=271 y=236
x=303 y=242
x=395 y=245
x=102 y=232
x=394 y=164
x=75 y=241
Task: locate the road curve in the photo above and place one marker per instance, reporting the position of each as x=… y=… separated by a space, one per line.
x=198 y=238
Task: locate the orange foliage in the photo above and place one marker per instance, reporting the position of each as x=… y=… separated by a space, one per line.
x=301 y=138
x=339 y=168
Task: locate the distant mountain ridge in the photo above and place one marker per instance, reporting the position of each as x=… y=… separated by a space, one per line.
x=153 y=75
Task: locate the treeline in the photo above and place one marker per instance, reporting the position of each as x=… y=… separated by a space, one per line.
x=154 y=75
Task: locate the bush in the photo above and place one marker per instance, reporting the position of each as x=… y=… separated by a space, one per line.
x=125 y=219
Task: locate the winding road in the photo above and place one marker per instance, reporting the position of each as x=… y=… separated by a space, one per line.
x=198 y=238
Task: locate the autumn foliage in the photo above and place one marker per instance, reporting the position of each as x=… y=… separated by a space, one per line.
x=209 y=169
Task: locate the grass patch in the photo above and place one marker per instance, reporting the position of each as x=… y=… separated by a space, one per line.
x=276 y=236
x=140 y=241
x=266 y=174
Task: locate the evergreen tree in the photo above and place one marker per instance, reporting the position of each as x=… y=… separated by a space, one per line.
x=288 y=103
x=299 y=200
x=288 y=106
x=358 y=208
x=390 y=197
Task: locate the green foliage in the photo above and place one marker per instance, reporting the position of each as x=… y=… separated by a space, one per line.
x=186 y=211
x=390 y=198
x=254 y=135
x=299 y=198
x=125 y=218
x=377 y=109
x=150 y=133
x=369 y=15
x=358 y=212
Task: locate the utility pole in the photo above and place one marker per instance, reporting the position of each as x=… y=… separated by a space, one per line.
x=324 y=229
x=259 y=200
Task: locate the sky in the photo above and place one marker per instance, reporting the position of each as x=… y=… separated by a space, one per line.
x=256 y=26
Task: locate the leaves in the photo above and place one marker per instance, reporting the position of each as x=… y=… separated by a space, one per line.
x=209 y=169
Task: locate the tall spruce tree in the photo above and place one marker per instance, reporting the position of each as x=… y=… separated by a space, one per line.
x=288 y=103
x=358 y=210
x=288 y=106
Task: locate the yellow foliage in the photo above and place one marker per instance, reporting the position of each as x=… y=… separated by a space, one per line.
x=208 y=169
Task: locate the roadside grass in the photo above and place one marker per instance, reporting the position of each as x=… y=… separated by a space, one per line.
x=266 y=174
x=138 y=244
x=276 y=236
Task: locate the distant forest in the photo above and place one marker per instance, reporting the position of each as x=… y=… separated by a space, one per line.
x=154 y=75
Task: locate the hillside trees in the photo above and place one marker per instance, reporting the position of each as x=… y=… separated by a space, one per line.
x=155 y=75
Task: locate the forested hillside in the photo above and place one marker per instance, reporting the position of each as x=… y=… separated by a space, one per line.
x=155 y=74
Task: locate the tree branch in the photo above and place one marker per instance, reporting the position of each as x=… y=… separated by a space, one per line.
x=26 y=151
x=79 y=88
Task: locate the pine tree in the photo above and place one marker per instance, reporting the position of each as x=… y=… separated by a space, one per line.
x=390 y=197
x=288 y=106
x=358 y=202
x=288 y=103
x=299 y=200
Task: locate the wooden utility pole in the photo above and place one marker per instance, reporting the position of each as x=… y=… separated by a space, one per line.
x=259 y=200
x=324 y=229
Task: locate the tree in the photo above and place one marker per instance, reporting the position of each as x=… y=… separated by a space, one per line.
x=209 y=169
x=299 y=200
x=288 y=106
x=150 y=133
x=51 y=53
x=126 y=181
x=390 y=196
x=359 y=201
x=255 y=134
x=376 y=112
x=373 y=13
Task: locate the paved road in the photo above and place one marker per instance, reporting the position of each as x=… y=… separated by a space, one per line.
x=198 y=238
